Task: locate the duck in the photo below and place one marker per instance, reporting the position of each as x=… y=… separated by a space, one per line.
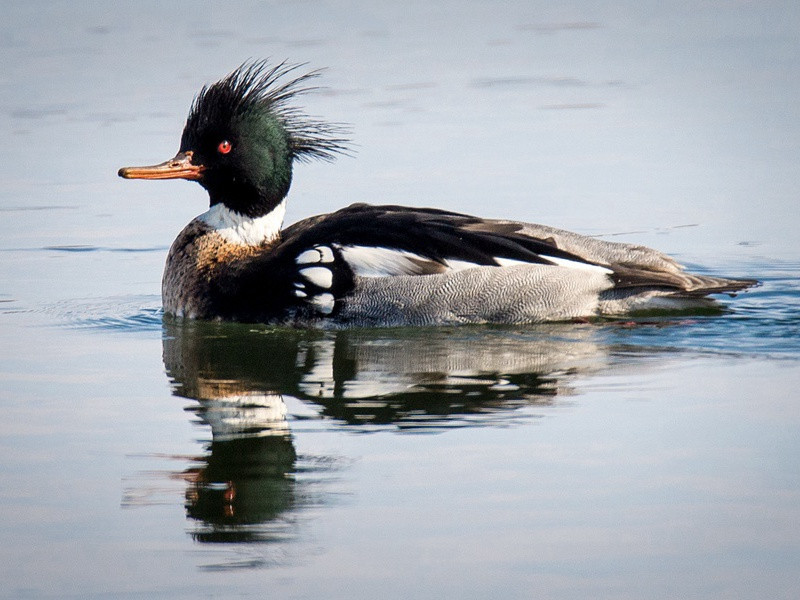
x=374 y=265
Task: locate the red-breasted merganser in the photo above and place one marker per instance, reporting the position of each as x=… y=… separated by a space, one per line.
x=372 y=265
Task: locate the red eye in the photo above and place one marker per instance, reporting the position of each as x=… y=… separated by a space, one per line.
x=224 y=147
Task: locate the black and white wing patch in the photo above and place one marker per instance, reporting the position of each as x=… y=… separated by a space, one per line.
x=321 y=277
x=386 y=241
x=325 y=272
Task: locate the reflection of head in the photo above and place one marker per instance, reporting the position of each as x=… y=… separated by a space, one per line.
x=244 y=482
x=246 y=478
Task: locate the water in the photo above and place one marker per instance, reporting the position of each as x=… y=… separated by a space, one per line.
x=144 y=458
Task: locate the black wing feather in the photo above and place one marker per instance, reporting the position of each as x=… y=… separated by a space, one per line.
x=435 y=234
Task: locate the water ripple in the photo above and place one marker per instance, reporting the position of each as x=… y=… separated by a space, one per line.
x=89 y=248
x=764 y=321
x=123 y=313
x=75 y=248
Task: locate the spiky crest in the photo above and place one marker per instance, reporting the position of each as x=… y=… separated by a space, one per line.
x=257 y=85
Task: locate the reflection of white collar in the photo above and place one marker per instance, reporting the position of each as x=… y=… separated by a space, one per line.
x=245 y=231
x=250 y=414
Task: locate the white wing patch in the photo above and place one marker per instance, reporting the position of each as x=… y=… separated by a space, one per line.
x=299 y=290
x=308 y=257
x=573 y=264
x=372 y=261
x=454 y=264
x=316 y=274
x=509 y=262
x=559 y=262
x=319 y=276
x=318 y=254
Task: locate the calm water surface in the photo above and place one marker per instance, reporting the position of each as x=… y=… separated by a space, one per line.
x=147 y=458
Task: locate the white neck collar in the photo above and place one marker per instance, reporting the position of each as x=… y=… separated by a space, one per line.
x=245 y=231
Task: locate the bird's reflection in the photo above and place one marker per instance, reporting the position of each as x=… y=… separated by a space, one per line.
x=246 y=478
x=245 y=487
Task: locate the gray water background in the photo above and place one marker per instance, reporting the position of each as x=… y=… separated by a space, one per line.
x=656 y=460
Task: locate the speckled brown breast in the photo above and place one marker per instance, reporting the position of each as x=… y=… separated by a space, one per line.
x=197 y=256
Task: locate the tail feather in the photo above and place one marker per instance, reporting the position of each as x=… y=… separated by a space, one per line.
x=677 y=282
x=704 y=285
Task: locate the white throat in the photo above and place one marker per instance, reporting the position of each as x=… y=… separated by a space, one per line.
x=245 y=231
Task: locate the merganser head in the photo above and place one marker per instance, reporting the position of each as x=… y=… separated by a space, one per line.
x=241 y=139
